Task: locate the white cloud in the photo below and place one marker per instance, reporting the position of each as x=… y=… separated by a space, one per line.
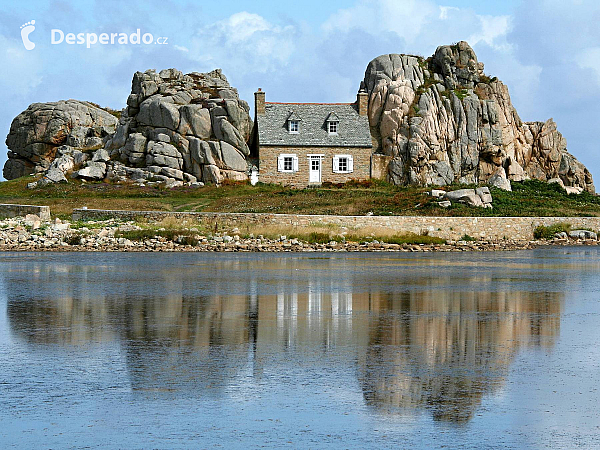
x=445 y=9
x=22 y=69
x=493 y=32
x=246 y=42
x=589 y=58
x=405 y=18
x=421 y=26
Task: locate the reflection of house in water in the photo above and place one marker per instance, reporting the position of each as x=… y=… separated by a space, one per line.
x=425 y=348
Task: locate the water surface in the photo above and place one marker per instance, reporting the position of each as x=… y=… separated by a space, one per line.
x=183 y=350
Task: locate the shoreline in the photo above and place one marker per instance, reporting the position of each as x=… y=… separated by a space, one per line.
x=272 y=246
x=30 y=234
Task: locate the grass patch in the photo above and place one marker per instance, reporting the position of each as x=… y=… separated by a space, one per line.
x=467 y=238
x=529 y=198
x=461 y=93
x=74 y=239
x=548 y=232
x=317 y=237
x=179 y=236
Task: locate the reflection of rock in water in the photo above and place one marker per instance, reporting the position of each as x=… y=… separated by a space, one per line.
x=443 y=351
x=433 y=348
x=170 y=344
x=198 y=349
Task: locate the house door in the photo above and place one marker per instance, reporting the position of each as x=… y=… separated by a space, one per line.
x=314 y=175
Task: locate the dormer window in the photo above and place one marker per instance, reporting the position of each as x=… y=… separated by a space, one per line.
x=332 y=123
x=293 y=126
x=293 y=123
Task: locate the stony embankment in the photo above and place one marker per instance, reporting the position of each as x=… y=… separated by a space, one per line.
x=31 y=234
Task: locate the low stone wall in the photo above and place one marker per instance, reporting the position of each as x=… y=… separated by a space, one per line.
x=7 y=211
x=444 y=227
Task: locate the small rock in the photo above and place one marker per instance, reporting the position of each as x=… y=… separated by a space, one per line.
x=583 y=234
x=472 y=200
x=94 y=171
x=499 y=180
x=172 y=183
x=33 y=221
x=459 y=194
x=557 y=181
x=101 y=156
x=573 y=190
x=445 y=203
x=56 y=176
x=484 y=193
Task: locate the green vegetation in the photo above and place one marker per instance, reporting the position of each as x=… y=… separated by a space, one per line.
x=548 y=232
x=144 y=234
x=461 y=93
x=410 y=238
x=529 y=198
x=467 y=238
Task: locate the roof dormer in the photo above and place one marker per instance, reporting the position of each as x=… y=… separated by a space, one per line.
x=293 y=123
x=333 y=123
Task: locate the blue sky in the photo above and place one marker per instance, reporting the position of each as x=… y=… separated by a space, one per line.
x=546 y=51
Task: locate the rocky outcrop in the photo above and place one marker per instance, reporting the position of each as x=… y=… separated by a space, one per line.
x=442 y=120
x=38 y=132
x=480 y=197
x=176 y=129
x=186 y=128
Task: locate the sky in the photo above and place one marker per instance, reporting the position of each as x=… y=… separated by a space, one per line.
x=546 y=51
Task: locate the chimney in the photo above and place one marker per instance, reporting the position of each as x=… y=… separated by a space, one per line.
x=362 y=99
x=259 y=102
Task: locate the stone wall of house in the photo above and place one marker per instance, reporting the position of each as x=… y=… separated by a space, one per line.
x=269 y=174
x=492 y=228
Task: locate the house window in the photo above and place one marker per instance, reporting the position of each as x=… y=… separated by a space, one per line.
x=332 y=127
x=293 y=126
x=287 y=163
x=343 y=164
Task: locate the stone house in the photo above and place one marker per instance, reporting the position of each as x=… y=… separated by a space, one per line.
x=306 y=144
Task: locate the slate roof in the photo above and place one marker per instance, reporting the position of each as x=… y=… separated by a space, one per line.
x=353 y=129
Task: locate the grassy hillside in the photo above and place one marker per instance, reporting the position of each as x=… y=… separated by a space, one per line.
x=529 y=198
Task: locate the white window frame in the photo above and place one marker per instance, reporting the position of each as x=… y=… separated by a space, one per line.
x=281 y=160
x=293 y=126
x=334 y=123
x=349 y=164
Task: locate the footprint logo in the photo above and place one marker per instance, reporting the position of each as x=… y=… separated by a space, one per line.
x=26 y=30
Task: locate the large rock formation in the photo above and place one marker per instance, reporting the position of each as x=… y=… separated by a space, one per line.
x=441 y=120
x=38 y=132
x=175 y=129
x=184 y=127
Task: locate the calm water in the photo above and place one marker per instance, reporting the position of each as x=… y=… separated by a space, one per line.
x=300 y=350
